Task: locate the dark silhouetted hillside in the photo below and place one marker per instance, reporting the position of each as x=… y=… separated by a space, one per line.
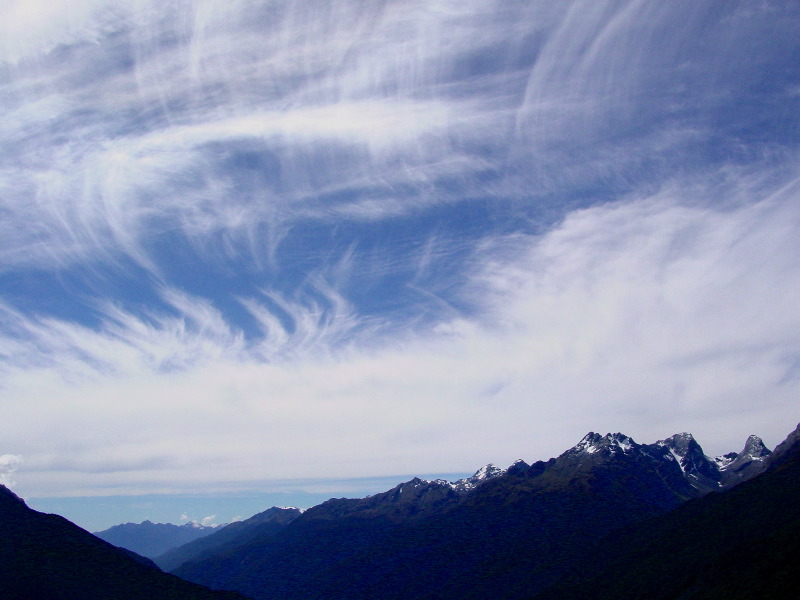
x=230 y=538
x=45 y=557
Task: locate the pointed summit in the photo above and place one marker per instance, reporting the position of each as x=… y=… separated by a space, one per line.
x=682 y=443
x=588 y=443
x=701 y=471
x=610 y=443
x=755 y=448
x=484 y=473
x=751 y=461
x=689 y=453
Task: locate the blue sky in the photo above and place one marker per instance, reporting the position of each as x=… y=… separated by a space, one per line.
x=254 y=242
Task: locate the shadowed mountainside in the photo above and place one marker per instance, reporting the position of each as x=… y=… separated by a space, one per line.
x=230 y=538
x=46 y=557
x=743 y=544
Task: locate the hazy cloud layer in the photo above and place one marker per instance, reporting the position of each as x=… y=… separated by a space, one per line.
x=261 y=240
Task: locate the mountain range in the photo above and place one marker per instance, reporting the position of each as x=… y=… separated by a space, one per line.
x=740 y=545
x=608 y=518
x=503 y=533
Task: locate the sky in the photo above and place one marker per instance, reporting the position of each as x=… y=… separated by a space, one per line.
x=262 y=250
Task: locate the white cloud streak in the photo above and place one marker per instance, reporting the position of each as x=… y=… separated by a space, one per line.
x=228 y=132
x=650 y=316
x=132 y=145
x=119 y=116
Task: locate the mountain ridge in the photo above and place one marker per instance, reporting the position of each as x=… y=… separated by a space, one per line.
x=513 y=529
x=509 y=534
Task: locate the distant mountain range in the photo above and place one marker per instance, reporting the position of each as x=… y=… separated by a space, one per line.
x=153 y=539
x=235 y=536
x=608 y=518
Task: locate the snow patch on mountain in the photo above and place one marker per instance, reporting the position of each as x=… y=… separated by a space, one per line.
x=594 y=442
x=724 y=461
x=469 y=483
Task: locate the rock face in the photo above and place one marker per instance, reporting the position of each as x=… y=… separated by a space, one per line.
x=703 y=473
x=751 y=461
x=719 y=473
x=503 y=534
x=45 y=557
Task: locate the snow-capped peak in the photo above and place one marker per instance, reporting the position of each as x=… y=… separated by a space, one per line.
x=754 y=448
x=594 y=442
x=462 y=485
x=684 y=449
x=589 y=443
x=681 y=444
x=486 y=472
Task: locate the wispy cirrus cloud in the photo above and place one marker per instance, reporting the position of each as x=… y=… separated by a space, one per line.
x=647 y=315
x=392 y=232
x=136 y=122
x=111 y=157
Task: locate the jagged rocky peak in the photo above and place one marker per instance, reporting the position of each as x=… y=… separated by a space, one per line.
x=682 y=443
x=702 y=472
x=594 y=442
x=754 y=448
x=689 y=453
x=751 y=461
x=483 y=474
x=487 y=471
